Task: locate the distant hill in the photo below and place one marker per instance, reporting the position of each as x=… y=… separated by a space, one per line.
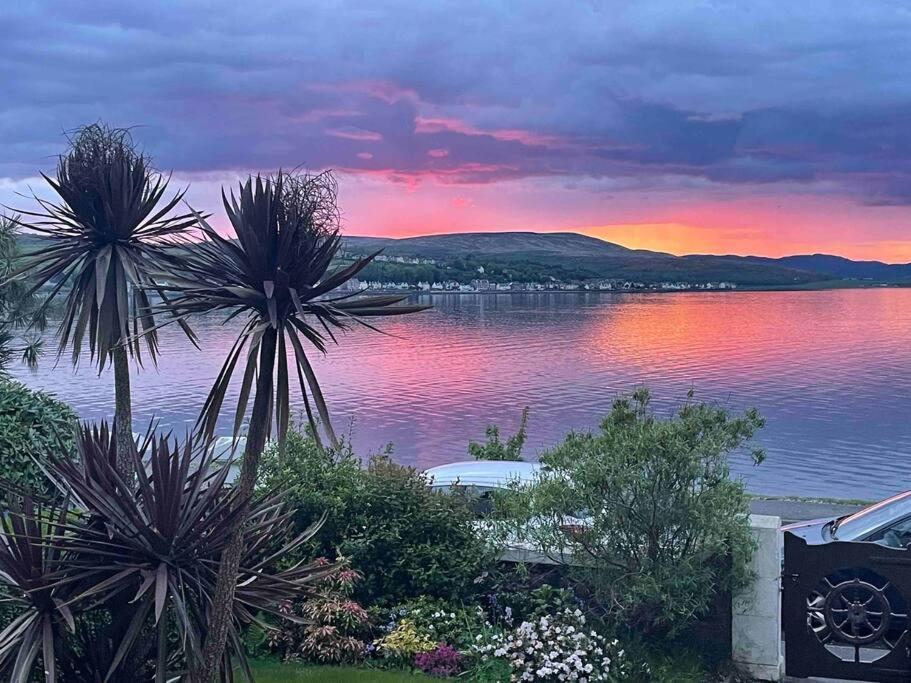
x=593 y=257
x=511 y=244
x=586 y=257
x=841 y=267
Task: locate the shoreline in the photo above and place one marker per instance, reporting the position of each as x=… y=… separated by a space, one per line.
x=775 y=288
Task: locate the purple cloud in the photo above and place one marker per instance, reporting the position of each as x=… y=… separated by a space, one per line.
x=735 y=94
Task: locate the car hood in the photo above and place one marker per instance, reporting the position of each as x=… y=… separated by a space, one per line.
x=812 y=531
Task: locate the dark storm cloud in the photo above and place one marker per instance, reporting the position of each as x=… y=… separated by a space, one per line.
x=735 y=93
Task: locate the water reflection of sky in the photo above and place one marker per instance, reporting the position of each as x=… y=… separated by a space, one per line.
x=829 y=370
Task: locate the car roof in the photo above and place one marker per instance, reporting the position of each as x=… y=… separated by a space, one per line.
x=492 y=473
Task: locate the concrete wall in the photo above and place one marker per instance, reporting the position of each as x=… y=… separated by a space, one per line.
x=756 y=622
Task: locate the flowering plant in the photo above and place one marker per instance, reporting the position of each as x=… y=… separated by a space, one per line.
x=442 y=661
x=334 y=625
x=555 y=648
x=439 y=621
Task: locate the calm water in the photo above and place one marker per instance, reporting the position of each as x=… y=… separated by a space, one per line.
x=830 y=371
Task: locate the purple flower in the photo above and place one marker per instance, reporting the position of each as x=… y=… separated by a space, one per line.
x=442 y=661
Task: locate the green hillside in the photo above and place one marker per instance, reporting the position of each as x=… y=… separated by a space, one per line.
x=499 y=244
x=527 y=256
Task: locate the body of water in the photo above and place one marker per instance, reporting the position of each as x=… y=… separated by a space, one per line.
x=829 y=370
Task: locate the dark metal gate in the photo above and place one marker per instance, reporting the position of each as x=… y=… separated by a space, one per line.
x=845 y=610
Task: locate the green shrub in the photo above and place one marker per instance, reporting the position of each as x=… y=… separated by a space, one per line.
x=316 y=481
x=650 y=505
x=405 y=539
x=411 y=541
x=33 y=425
x=495 y=449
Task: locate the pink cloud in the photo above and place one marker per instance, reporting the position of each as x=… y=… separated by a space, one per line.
x=315 y=115
x=463 y=174
x=354 y=133
x=438 y=153
x=428 y=125
x=364 y=155
x=387 y=91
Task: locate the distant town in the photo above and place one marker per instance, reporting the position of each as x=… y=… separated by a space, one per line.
x=485 y=284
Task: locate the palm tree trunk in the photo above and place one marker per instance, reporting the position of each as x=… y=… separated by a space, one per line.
x=257 y=434
x=123 y=414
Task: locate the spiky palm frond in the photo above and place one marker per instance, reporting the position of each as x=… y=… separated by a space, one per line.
x=34 y=570
x=148 y=553
x=278 y=278
x=160 y=542
x=109 y=231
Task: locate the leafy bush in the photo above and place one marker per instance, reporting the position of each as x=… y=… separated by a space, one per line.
x=33 y=425
x=409 y=540
x=405 y=539
x=333 y=627
x=315 y=480
x=651 y=506
x=494 y=449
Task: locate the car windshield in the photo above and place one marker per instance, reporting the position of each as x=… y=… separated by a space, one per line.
x=859 y=525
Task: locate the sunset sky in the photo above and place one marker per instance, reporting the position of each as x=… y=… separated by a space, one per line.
x=692 y=127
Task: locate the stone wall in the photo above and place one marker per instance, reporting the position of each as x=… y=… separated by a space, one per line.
x=756 y=619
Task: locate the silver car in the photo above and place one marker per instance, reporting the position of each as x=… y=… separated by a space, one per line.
x=887 y=522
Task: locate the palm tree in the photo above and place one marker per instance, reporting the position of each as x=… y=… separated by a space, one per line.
x=277 y=278
x=102 y=242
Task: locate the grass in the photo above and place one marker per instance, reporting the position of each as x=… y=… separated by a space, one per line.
x=813 y=499
x=278 y=672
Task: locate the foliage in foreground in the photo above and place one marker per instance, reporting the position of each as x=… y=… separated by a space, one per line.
x=277 y=279
x=647 y=509
x=119 y=584
x=539 y=634
x=333 y=627
x=405 y=539
x=32 y=424
x=558 y=647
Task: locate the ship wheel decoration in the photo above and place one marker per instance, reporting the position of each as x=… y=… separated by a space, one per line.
x=857 y=612
x=854 y=613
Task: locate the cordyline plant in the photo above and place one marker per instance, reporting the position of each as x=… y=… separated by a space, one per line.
x=137 y=561
x=109 y=231
x=277 y=277
x=30 y=569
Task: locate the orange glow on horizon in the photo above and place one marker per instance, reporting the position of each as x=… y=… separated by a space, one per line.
x=383 y=204
x=681 y=240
